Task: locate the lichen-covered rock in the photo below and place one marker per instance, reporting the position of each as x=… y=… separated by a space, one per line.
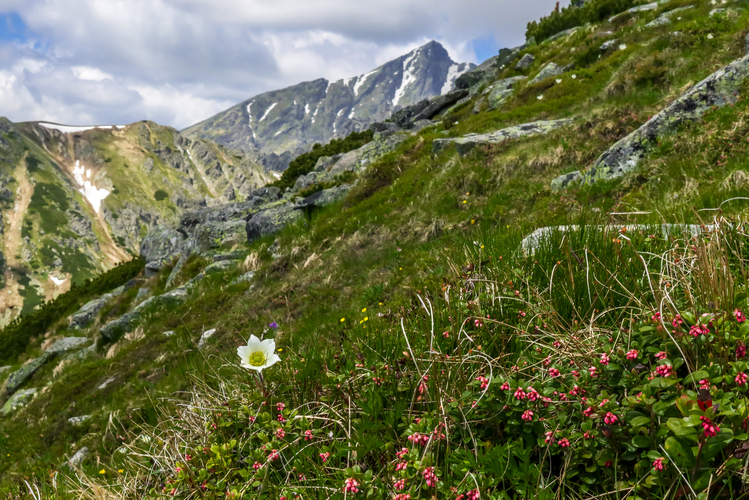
x=86 y=314
x=235 y=255
x=562 y=34
x=665 y=18
x=525 y=62
x=18 y=400
x=204 y=337
x=18 y=377
x=219 y=267
x=551 y=69
x=608 y=44
x=271 y=220
x=77 y=459
x=79 y=420
x=245 y=278
x=325 y=197
x=466 y=144
x=159 y=246
x=718 y=89
x=531 y=242
x=639 y=8
x=66 y=344
x=323 y=163
x=501 y=90
x=128 y=321
x=566 y=180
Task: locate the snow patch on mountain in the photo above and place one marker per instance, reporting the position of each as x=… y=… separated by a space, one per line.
x=361 y=80
x=408 y=76
x=94 y=195
x=452 y=74
x=268 y=111
x=249 y=110
x=70 y=129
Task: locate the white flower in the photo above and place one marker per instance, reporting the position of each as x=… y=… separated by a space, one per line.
x=574 y=77
x=559 y=80
x=540 y=97
x=622 y=46
x=257 y=354
x=710 y=36
x=713 y=2
x=678 y=18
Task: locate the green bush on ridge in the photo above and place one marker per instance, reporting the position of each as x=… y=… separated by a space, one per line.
x=305 y=163
x=570 y=17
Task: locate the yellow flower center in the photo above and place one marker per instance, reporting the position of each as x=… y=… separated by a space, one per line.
x=257 y=358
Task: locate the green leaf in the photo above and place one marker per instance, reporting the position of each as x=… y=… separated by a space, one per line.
x=641 y=442
x=695 y=377
x=639 y=421
x=715 y=445
x=679 y=428
x=679 y=453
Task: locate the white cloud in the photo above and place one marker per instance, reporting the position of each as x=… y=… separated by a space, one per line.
x=178 y=62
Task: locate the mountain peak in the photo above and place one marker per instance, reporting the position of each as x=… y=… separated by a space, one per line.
x=284 y=123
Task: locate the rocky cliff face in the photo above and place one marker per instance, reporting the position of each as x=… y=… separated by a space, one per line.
x=281 y=124
x=77 y=200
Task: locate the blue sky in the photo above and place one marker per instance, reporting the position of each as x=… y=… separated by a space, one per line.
x=178 y=62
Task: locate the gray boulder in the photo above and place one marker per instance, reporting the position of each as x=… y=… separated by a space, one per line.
x=18 y=400
x=159 y=246
x=548 y=71
x=128 y=321
x=219 y=267
x=665 y=18
x=639 y=8
x=746 y=44
x=325 y=197
x=566 y=180
x=18 y=377
x=438 y=104
x=77 y=459
x=719 y=89
x=235 y=255
x=245 y=278
x=466 y=144
x=66 y=344
x=608 y=44
x=271 y=220
x=86 y=314
x=405 y=116
x=142 y=293
x=525 y=62
x=501 y=90
x=561 y=34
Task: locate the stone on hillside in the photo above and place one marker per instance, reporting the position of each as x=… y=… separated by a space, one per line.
x=473 y=77
x=79 y=420
x=380 y=127
x=639 y=8
x=4 y=369
x=142 y=293
x=561 y=34
x=126 y=322
x=722 y=12
x=87 y=313
x=325 y=197
x=551 y=69
x=106 y=383
x=271 y=220
x=18 y=377
x=719 y=89
x=169 y=333
x=531 y=242
x=438 y=104
x=502 y=89
x=219 y=267
x=525 y=62
x=404 y=117
x=235 y=255
x=66 y=344
x=325 y=162
x=160 y=244
x=204 y=338
x=466 y=144
x=245 y=278
x=608 y=44
x=18 y=400
x=348 y=162
x=420 y=125
x=77 y=459
x=746 y=44
x=566 y=180
x=665 y=18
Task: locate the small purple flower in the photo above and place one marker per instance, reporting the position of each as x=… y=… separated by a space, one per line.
x=273 y=325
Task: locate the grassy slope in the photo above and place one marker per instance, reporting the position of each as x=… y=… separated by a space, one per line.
x=411 y=224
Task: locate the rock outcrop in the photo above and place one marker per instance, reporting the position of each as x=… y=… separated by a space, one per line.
x=18 y=400
x=466 y=144
x=551 y=69
x=719 y=89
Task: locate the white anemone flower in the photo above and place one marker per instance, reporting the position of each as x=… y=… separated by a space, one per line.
x=559 y=80
x=540 y=97
x=574 y=77
x=622 y=46
x=709 y=36
x=258 y=355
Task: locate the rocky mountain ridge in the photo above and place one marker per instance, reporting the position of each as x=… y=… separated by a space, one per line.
x=77 y=200
x=281 y=124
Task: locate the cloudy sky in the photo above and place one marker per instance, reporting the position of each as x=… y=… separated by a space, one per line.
x=178 y=62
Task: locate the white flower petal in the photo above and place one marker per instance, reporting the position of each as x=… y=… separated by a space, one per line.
x=272 y=360
x=267 y=346
x=244 y=353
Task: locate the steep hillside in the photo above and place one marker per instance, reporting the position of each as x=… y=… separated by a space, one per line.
x=287 y=122
x=537 y=291
x=78 y=200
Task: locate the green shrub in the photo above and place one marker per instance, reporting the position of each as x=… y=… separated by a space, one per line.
x=305 y=163
x=160 y=195
x=571 y=17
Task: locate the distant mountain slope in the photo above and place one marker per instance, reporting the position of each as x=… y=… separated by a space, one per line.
x=77 y=200
x=284 y=123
